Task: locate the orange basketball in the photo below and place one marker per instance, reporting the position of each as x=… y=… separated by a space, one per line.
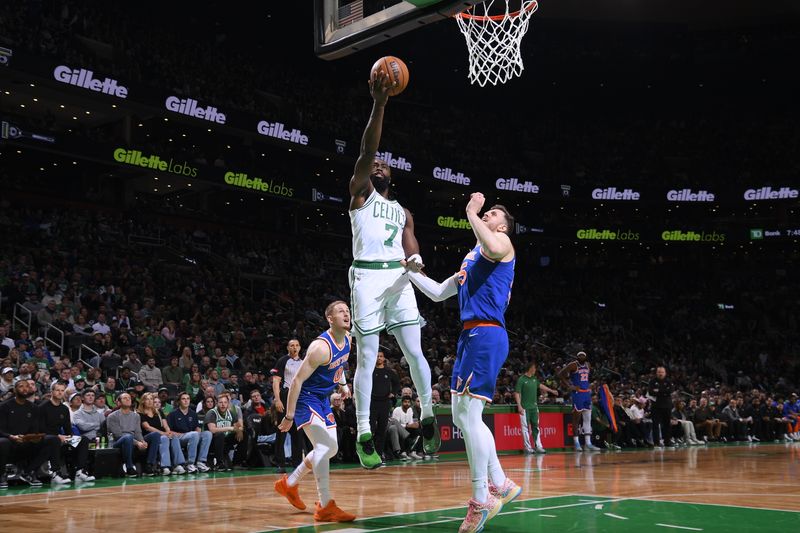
x=397 y=71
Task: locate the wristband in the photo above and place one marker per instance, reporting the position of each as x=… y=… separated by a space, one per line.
x=289 y=418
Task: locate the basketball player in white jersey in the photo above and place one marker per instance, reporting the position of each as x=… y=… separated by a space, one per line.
x=382 y=296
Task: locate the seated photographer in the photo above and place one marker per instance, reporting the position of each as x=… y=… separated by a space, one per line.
x=21 y=440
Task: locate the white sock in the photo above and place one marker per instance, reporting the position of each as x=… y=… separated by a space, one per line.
x=480 y=490
x=362 y=381
x=539 y=441
x=468 y=415
x=410 y=340
x=325 y=447
x=587 y=439
x=301 y=470
x=577 y=441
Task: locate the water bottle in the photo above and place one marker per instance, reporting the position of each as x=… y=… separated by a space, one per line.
x=103 y=442
x=96 y=443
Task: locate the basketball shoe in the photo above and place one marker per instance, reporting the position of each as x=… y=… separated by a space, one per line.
x=367 y=456
x=332 y=513
x=431 y=439
x=290 y=493
x=507 y=492
x=479 y=513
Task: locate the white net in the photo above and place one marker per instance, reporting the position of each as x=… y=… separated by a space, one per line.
x=494 y=40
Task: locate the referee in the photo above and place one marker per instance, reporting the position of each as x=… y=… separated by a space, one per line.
x=661 y=388
x=385 y=388
x=282 y=376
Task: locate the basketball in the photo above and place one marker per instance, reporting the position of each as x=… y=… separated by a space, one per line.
x=397 y=70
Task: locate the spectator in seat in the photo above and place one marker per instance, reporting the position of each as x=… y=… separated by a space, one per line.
x=18 y=423
x=208 y=392
x=55 y=420
x=186 y=361
x=173 y=374
x=132 y=363
x=88 y=420
x=402 y=426
x=6 y=382
x=730 y=415
x=705 y=422
x=185 y=425
x=227 y=429
x=157 y=433
x=687 y=426
x=100 y=404
x=150 y=375
x=345 y=428
x=125 y=426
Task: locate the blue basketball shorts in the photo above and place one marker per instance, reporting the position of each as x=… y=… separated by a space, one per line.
x=480 y=353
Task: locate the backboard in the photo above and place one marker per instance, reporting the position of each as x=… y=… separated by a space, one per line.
x=342 y=27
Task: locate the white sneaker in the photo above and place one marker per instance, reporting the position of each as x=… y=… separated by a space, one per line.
x=415 y=456
x=179 y=470
x=80 y=475
x=539 y=449
x=58 y=480
x=166 y=471
x=404 y=456
x=202 y=467
x=191 y=469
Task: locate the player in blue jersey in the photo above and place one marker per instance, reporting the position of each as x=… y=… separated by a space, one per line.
x=308 y=405
x=483 y=285
x=575 y=376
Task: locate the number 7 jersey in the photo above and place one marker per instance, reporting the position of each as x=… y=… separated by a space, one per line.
x=378 y=229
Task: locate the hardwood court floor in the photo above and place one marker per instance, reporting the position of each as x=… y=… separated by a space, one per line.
x=723 y=488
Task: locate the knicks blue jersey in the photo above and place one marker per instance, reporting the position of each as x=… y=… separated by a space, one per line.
x=484 y=287
x=580 y=378
x=325 y=377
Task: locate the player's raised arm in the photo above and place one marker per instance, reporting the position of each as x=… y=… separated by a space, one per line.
x=360 y=185
x=563 y=375
x=317 y=354
x=495 y=244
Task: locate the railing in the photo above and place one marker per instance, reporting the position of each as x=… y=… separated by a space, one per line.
x=22 y=310
x=146 y=240
x=48 y=340
x=83 y=347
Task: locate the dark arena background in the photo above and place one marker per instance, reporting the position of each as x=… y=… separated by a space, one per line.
x=174 y=185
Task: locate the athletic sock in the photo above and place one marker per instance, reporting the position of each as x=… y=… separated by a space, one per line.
x=300 y=472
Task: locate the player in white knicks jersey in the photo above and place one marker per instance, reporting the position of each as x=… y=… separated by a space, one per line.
x=382 y=296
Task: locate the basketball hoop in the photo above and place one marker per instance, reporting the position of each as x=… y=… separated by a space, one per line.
x=493 y=41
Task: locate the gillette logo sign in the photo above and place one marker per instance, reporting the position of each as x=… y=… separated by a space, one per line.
x=447 y=174
x=513 y=184
x=453 y=223
x=607 y=235
x=768 y=193
x=686 y=195
x=692 y=236
x=190 y=107
x=85 y=79
x=611 y=193
x=399 y=163
x=277 y=130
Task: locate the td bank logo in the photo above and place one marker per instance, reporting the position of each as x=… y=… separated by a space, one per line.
x=240 y=179
x=153 y=161
x=607 y=235
x=756 y=234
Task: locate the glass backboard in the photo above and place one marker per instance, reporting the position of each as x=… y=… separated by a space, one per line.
x=342 y=27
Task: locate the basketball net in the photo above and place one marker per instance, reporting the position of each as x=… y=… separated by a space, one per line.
x=493 y=41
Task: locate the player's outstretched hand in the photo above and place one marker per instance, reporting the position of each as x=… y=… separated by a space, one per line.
x=413 y=263
x=379 y=85
x=476 y=201
x=285 y=425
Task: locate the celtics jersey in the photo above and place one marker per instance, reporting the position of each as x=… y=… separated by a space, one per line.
x=378 y=229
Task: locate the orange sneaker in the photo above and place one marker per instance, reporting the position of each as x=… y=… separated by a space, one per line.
x=290 y=493
x=331 y=513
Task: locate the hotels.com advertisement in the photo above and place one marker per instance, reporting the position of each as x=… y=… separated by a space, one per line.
x=507 y=431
